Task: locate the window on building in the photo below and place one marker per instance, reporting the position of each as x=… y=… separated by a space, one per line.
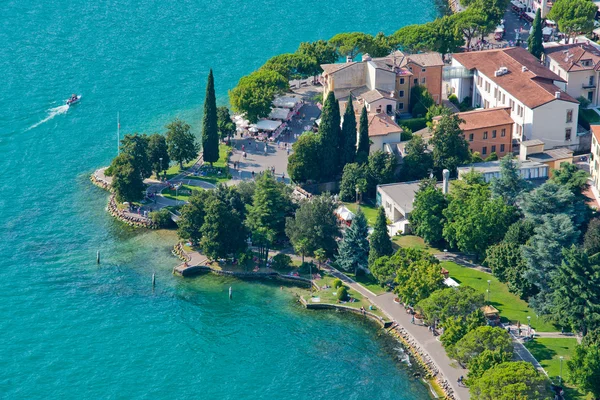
x=487 y=87
x=484 y=150
x=485 y=135
x=501 y=148
x=479 y=81
x=401 y=106
x=503 y=132
x=494 y=134
x=495 y=93
x=486 y=104
x=493 y=148
x=512 y=104
x=568 y=134
x=569 y=116
x=422 y=80
x=416 y=82
x=470 y=137
x=401 y=93
x=423 y=70
x=402 y=81
x=503 y=98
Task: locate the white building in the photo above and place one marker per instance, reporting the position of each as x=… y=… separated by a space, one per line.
x=579 y=65
x=514 y=78
x=528 y=169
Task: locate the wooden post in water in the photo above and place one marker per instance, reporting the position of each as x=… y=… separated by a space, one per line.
x=98 y=257
x=229 y=292
x=153 y=280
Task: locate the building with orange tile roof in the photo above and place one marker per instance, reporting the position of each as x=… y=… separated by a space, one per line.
x=513 y=78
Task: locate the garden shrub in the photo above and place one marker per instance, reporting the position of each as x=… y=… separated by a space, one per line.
x=337 y=283
x=342 y=293
x=307 y=268
x=453 y=99
x=281 y=261
x=414 y=124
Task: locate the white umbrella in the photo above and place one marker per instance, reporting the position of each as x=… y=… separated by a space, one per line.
x=253 y=129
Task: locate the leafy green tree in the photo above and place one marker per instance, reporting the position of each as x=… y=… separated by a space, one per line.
x=450 y=149
x=380 y=242
x=584 y=368
x=576 y=299
x=551 y=198
x=485 y=361
x=420 y=101
x=353 y=173
x=475 y=221
x=210 y=129
x=543 y=253
x=427 y=217
x=127 y=183
x=509 y=381
x=381 y=169
x=573 y=16
x=322 y=51
x=535 y=40
x=223 y=232
x=468 y=23
x=254 y=93
x=292 y=65
x=352 y=43
x=417 y=162
x=162 y=218
x=225 y=125
x=181 y=142
x=329 y=131
x=353 y=249
x=439 y=35
x=520 y=232
x=571 y=178
x=192 y=216
x=364 y=145
x=158 y=153
x=480 y=339
x=233 y=198
x=136 y=146
x=418 y=281
x=304 y=164
x=266 y=216
x=414 y=38
x=385 y=268
x=314 y=224
x=459 y=302
x=457 y=327
x=510 y=185
x=348 y=135
x=591 y=239
x=380 y=45
x=508 y=265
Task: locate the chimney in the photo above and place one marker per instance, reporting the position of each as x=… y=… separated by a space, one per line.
x=523 y=69
x=446 y=176
x=523 y=152
x=366 y=57
x=348 y=59
x=557 y=94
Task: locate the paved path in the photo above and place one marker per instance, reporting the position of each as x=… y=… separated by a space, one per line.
x=449 y=368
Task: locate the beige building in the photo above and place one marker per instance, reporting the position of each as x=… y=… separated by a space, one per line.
x=579 y=65
x=595 y=158
x=534 y=150
x=384 y=83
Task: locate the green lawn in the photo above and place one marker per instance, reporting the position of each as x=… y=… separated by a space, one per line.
x=510 y=306
x=414 y=241
x=174 y=170
x=591 y=116
x=369 y=282
x=219 y=172
x=369 y=210
x=548 y=351
x=327 y=296
x=183 y=194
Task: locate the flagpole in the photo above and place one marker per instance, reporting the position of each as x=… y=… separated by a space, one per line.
x=118 y=132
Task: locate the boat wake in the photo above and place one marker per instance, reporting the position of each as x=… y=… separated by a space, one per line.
x=53 y=112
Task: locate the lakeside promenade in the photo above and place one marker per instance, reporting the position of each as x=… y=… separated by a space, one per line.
x=450 y=370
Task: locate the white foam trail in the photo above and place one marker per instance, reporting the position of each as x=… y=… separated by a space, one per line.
x=53 y=112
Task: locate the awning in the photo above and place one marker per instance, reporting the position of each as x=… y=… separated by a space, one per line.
x=285 y=102
x=530 y=15
x=547 y=31
x=267 y=125
x=279 y=113
x=550 y=22
x=344 y=213
x=450 y=282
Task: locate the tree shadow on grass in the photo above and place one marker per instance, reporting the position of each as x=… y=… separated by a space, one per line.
x=539 y=351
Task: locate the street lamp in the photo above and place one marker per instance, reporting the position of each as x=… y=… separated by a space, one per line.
x=488 y=290
x=160 y=158
x=560 y=376
x=528 y=325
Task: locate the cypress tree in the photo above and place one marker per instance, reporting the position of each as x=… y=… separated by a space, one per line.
x=534 y=42
x=362 y=153
x=329 y=131
x=348 y=137
x=381 y=244
x=210 y=130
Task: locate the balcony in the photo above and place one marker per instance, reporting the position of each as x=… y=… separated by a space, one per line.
x=589 y=85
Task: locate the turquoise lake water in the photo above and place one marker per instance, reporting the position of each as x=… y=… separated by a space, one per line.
x=70 y=329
